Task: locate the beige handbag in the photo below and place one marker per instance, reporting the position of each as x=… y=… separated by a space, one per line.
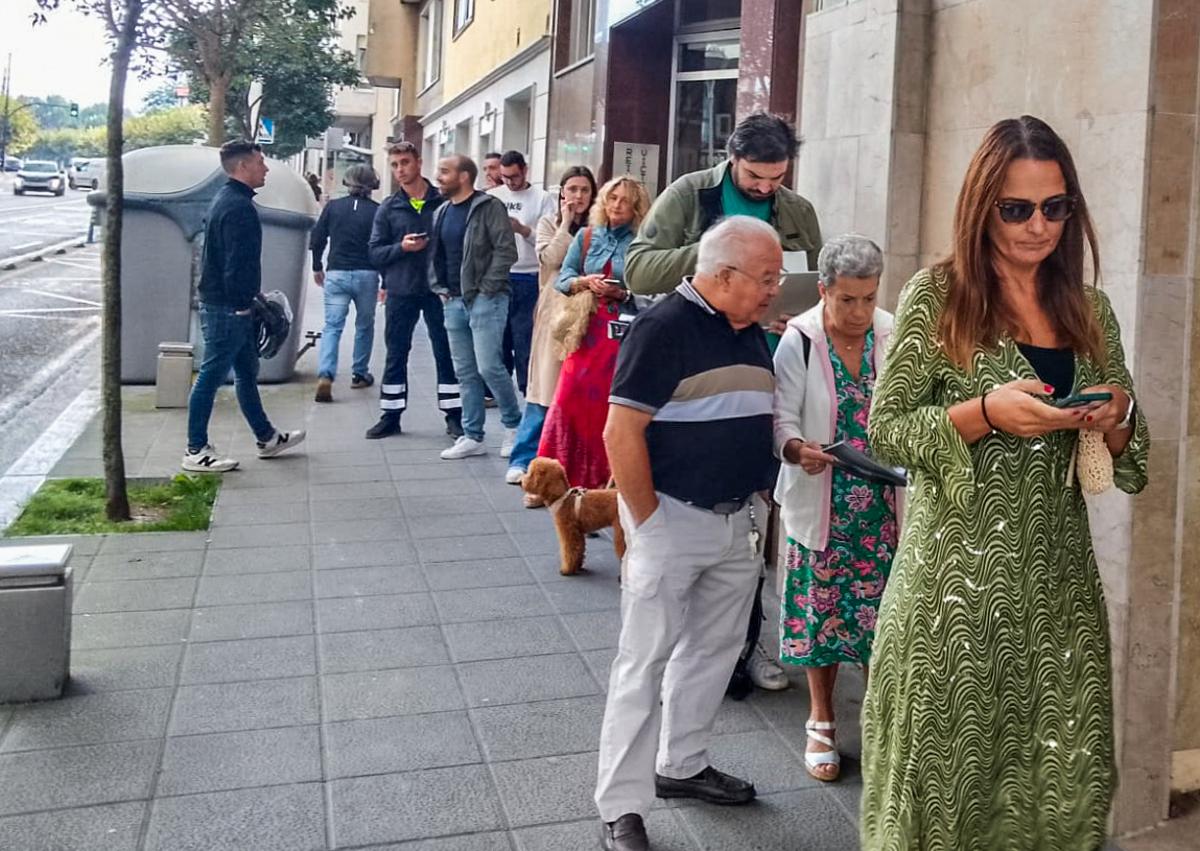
x=573 y=314
x=1092 y=463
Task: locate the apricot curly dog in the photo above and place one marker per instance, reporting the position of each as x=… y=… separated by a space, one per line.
x=576 y=511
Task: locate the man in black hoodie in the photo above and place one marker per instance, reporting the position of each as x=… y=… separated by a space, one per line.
x=398 y=249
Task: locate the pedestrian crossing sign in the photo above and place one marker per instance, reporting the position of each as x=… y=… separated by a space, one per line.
x=266 y=131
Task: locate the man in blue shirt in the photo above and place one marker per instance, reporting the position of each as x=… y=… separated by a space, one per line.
x=230 y=278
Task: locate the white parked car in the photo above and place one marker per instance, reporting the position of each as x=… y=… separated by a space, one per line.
x=86 y=173
x=40 y=176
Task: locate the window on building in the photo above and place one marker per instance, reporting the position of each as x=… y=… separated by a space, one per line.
x=464 y=13
x=705 y=11
x=429 y=43
x=704 y=99
x=582 y=24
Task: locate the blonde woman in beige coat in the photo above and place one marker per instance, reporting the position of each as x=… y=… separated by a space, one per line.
x=576 y=193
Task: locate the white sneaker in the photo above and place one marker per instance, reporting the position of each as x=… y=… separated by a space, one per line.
x=281 y=442
x=510 y=440
x=765 y=672
x=207 y=461
x=464 y=447
x=514 y=476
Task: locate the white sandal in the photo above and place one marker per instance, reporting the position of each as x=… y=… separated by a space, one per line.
x=814 y=759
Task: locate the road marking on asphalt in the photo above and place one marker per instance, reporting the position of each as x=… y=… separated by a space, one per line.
x=64 y=298
x=88 y=335
x=28 y=472
x=25 y=245
x=22 y=311
x=86 y=267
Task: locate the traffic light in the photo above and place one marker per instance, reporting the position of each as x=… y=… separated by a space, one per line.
x=74 y=110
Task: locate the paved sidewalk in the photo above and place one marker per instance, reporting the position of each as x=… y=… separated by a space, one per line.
x=370 y=648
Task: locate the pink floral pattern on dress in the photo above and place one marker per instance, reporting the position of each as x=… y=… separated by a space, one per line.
x=831 y=601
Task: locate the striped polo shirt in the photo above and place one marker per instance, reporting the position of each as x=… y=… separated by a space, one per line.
x=710 y=390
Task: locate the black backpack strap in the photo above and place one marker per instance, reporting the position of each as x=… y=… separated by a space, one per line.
x=806 y=344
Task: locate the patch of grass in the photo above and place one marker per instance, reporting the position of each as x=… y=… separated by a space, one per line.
x=76 y=507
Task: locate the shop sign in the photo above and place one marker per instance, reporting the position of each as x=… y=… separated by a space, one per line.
x=637 y=160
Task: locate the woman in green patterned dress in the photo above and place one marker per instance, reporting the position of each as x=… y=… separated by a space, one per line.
x=841 y=529
x=988 y=718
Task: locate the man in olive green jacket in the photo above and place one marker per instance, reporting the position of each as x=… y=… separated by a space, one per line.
x=750 y=183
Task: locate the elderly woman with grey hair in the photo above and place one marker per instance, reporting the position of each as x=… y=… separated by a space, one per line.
x=841 y=530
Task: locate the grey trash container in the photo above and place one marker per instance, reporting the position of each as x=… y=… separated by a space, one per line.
x=167 y=193
x=35 y=622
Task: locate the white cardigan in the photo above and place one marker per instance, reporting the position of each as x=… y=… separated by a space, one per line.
x=805 y=409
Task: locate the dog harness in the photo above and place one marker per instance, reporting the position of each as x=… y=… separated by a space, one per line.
x=576 y=492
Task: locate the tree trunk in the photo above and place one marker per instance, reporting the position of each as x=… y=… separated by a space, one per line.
x=218 y=90
x=116 y=503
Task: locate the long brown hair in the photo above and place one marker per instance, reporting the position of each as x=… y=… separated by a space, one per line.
x=574 y=171
x=975 y=315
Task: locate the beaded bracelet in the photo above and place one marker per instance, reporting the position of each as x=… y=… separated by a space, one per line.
x=983 y=408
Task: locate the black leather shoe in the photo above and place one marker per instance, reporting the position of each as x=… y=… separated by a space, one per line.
x=625 y=834
x=709 y=785
x=386 y=427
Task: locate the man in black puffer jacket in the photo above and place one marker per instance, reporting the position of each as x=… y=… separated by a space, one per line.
x=398 y=249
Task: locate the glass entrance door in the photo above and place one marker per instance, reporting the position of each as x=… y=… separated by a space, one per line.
x=704 y=99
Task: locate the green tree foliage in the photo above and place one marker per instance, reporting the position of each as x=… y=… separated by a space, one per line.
x=180 y=125
x=53 y=113
x=160 y=98
x=22 y=126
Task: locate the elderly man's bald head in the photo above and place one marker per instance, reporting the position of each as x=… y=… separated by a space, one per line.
x=738 y=265
x=731 y=241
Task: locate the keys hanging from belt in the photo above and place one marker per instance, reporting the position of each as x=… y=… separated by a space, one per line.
x=755 y=536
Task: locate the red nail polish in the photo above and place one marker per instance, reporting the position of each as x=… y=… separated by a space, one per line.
x=1089 y=418
x=1049 y=389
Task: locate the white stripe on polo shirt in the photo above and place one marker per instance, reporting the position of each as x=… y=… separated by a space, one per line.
x=720 y=406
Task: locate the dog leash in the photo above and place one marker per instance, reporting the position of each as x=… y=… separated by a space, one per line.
x=576 y=492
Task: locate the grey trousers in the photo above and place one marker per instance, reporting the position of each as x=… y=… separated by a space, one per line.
x=689 y=580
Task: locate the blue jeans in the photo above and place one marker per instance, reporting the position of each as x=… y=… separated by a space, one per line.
x=476 y=335
x=360 y=286
x=229 y=342
x=529 y=435
x=520 y=322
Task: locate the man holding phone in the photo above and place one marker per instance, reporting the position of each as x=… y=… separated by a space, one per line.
x=399 y=250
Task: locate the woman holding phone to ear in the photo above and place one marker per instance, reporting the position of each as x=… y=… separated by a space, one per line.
x=988 y=717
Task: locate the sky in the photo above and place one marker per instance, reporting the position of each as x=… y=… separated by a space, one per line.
x=64 y=56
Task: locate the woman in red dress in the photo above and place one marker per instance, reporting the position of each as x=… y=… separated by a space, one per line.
x=595 y=263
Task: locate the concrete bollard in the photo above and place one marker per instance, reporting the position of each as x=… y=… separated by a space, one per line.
x=173 y=378
x=35 y=622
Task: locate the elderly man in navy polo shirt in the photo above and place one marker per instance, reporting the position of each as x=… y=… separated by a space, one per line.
x=689 y=440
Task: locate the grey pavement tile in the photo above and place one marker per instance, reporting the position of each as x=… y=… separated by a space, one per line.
x=761 y=757
x=435 y=470
x=275 y=559
x=111 y=827
x=439 y=487
x=216 y=761
x=258 y=514
x=89 y=719
x=260 y=496
x=847 y=791
x=248 y=705
x=492 y=573
x=350 y=490
x=546 y=543
x=254 y=588
x=371 y=472
x=482 y=604
x=533 y=522
x=379 y=694
x=259 y=620
x=125 y=668
x=590 y=592
x=443 y=506
x=367 y=454
x=127 y=629
x=365 y=581
x=492 y=840
x=257 y=474
x=664 y=831
x=153 y=542
x=381 y=649
x=353 y=614
x=504 y=639
x=275 y=818
x=737 y=716
x=454 y=525
x=363 y=554
x=349 y=531
x=599 y=662
x=266 y=535
x=81 y=545
x=122 y=566
x=136 y=595
x=594 y=630
x=76 y=777
x=436 y=802
x=790 y=821
x=521 y=680
x=548 y=789
x=401 y=743
x=545 y=728
x=379 y=508
x=252 y=659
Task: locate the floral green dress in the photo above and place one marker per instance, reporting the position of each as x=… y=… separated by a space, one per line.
x=831 y=598
x=988 y=718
